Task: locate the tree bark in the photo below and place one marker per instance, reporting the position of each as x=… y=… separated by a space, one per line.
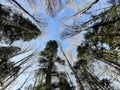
x=48 y=75
x=79 y=83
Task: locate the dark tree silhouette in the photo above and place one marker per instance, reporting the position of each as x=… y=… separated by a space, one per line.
x=15 y=27
x=48 y=69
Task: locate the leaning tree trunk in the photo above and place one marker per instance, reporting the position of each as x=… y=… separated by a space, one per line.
x=79 y=83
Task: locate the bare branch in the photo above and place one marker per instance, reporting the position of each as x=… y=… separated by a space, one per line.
x=53 y=7
x=24 y=82
x=86 y=9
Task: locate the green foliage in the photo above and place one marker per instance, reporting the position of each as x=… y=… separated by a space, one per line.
x=8 y=69
x=64 y=84
x=107 y=30
x=83 y=54
x=7 y=52
x=50 y=50
x=48 y=69
x=102 y=43
x=16 y=27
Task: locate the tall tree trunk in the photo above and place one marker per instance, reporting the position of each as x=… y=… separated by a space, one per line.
x=48 y=75
x=16 y=77
x=79 y=83
x=17 y=3
x=24 y=82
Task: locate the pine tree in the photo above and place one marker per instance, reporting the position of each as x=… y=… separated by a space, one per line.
x=83 y=67
x=15 y=27
x=7 y=67
x=48 y=69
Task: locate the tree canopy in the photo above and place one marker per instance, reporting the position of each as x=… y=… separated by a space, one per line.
x=89 y=61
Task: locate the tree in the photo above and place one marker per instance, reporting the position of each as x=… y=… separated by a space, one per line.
x=48 y=69
x=53 y=7
x=7 y=67
x=11 y=70
x=16 y=27
x=102 y=38
x=82 y=66
x=106 y=32
x=13 y=27
x=50 y=53
x=78 y=81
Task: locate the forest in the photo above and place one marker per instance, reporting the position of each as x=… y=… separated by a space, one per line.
x=59 y=45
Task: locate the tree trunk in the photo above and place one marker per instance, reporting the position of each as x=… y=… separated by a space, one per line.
x=79 y=83
x=48 y=75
